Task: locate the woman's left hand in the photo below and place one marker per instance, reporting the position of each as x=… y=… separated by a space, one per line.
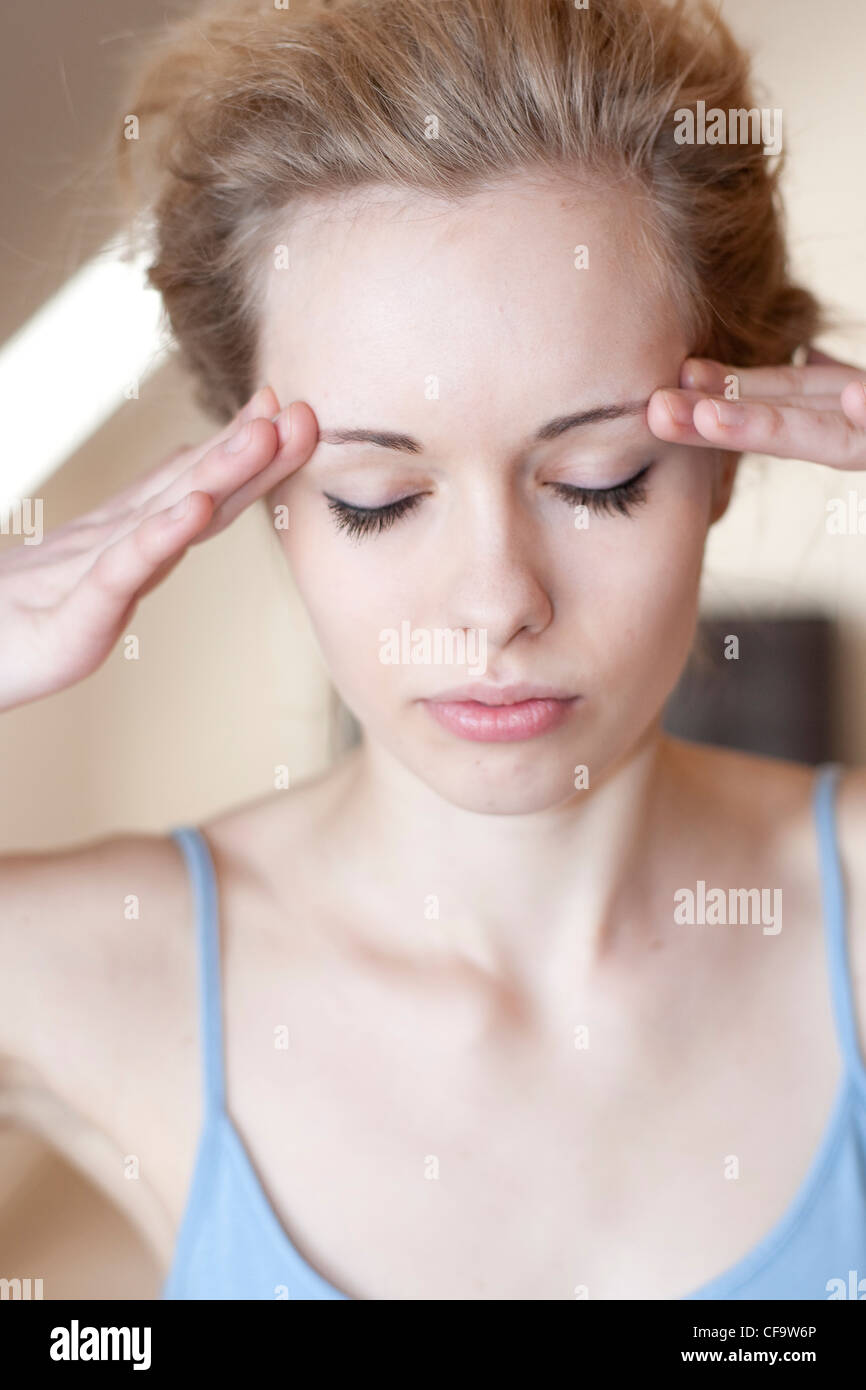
x=816 y=412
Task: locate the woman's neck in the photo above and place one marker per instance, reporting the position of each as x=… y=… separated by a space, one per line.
x=529 y=900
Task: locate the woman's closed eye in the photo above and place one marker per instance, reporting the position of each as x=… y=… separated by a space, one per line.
x=620 y=499
x=361 y=521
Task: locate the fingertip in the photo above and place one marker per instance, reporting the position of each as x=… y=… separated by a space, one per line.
x=668 y=414
x=699 y=373
x=853 y=401
x=285 y=425
x=261 y=405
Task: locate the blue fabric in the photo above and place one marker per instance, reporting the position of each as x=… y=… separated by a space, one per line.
x=231 y=1245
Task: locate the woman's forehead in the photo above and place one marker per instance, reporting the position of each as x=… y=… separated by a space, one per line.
x=518 y=284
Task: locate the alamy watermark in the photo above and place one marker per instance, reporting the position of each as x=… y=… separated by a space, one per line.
x=437 y=646
x=846 y=516
x=740 y=126
x=77 y=1343
x=854 y=1287
x=23 y=518
x=22 y=1289
x=712 y=907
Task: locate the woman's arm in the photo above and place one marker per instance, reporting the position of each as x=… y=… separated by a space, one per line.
x=83 y=931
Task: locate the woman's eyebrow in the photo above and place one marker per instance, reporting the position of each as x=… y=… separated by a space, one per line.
x=404 y=443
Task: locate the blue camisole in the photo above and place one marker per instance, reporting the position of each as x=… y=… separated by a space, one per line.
x=230 y=1244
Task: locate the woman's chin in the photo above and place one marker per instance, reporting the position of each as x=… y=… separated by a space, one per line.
x=505 y=801
x=500 y=779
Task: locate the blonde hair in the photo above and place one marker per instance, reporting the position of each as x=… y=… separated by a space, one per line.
x=246 y=110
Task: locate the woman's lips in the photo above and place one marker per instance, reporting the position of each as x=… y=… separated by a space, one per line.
x=500 y=723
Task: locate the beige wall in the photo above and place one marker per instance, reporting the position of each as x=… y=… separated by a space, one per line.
x=229 y=681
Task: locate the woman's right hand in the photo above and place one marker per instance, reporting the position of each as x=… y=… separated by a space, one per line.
x=65 y=601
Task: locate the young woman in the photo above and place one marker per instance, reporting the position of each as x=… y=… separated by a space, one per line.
x=469 y=313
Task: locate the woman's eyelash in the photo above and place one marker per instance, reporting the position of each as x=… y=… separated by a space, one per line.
x=363 y=521
x=607 y=500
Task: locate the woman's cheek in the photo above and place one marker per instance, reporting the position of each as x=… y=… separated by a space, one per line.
x=656 y=596
x=350 y=594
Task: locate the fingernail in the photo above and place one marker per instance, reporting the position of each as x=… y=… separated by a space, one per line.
x=283 y=422
x=239 y=441
x=679 y=408
x=729 y=414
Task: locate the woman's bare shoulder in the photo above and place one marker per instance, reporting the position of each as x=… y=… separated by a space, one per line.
x=97 y=992
x=734 y=777
x=773 y=801
x=775 y=798
x=83 y=938
x=769 y=784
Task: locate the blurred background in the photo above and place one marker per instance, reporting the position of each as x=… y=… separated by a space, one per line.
x=223 y=688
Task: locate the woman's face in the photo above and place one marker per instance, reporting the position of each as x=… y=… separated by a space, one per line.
x=465 y=331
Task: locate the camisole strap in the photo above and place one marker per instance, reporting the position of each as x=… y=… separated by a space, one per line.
x=206 y=907
x=834 y=905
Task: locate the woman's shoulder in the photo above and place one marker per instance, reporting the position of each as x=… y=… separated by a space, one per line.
x=770 y=804
x=758 y=784
x=74 y=918
x=93 y=961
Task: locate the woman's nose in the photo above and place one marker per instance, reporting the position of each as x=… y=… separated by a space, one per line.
x=495 y=576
